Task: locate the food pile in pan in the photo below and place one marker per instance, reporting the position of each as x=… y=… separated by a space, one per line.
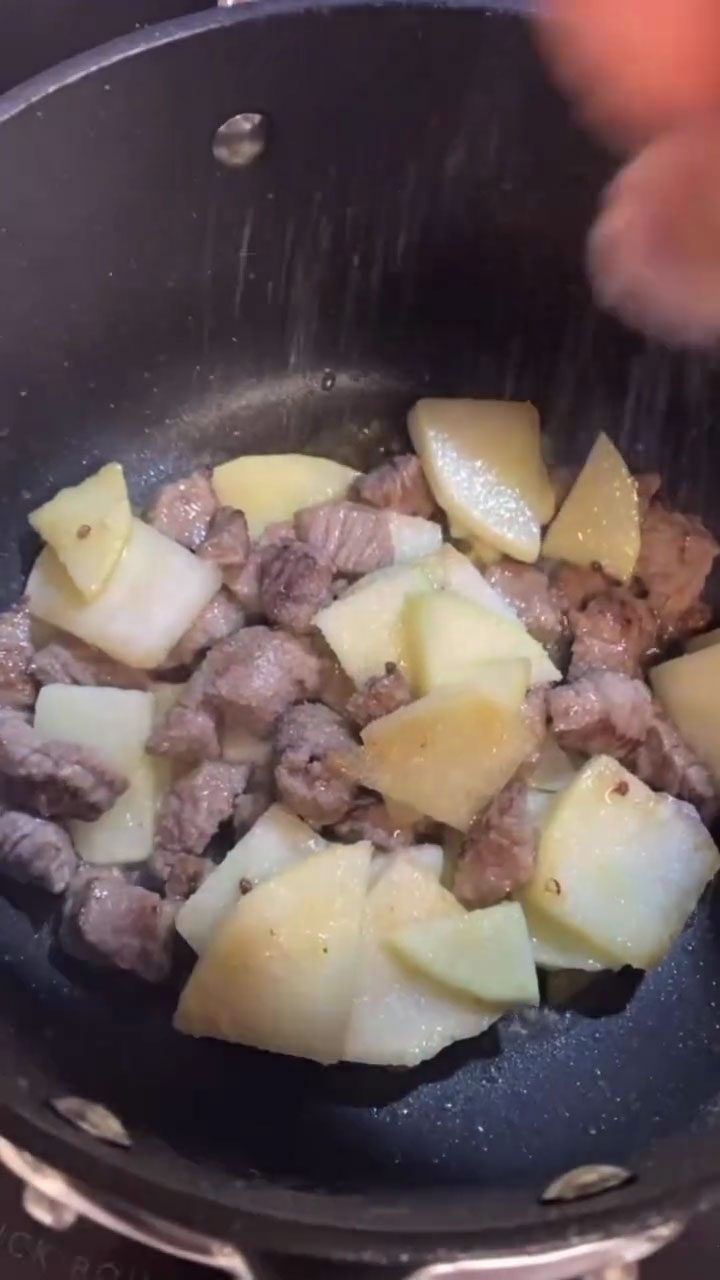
x=376 y=746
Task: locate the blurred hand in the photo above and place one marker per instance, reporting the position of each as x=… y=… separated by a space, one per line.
x=646 y=73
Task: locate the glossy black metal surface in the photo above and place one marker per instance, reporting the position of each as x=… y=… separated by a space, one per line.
x=416 y=223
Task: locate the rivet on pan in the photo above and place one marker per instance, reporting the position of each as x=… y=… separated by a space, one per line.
x=46 y=1211
x=587 y=1180
x=94 y=1119
x=241 y=139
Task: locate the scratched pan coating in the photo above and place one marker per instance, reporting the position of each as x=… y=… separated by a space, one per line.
x=166 y=311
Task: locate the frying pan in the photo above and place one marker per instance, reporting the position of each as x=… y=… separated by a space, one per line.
x=404 y=212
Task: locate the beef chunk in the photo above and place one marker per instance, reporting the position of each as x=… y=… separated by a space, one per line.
x=353 y=538
x=498 y=855
x=17 y=688
x=276 y=531
x=177 y=875
x=575 y=586
x=188 y=731
x=603 y=713
x=614 y=632
x=194 y=807
x=667 y=763
x=368 y=819
x=676 y=556
x=528 y=590
x=71 y=661
x=35 y=852
x=294 y=583
x=244 y=581
x=379 y=696
x=306 y=735
x=227 y=541
x=399 y=485
x=257 y=674
x=57 y=779
x=218 y=620
x=183 y=509
x=108 y=922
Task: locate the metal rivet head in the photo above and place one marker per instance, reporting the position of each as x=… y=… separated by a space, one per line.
x=241 y=139
x=94 y=1119
x=585 y=1181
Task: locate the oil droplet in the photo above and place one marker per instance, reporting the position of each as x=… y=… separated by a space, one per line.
x=328 y=380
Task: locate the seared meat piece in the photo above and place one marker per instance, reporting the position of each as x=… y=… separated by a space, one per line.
x=667 y=763
x=379 y=696
x=306 y=734
x=194 y=807
x=278 y=531
x=603 y=713
x=528 y=590
x=647 y=484
x=227 y=541
x=354 y=539
x=183 y=509
x=257 y=674
x=368 y=819
x=294 y=583
x=575 y=586
x=36 y=852
x=108 y=922
x=188 y=731
x=218 y=620
x=244 y=581
x=17 y=689
x=255 y=799
x=71 y=661
x=499 y=851
x=399 y=485
x=614 y=632
x=676 y=556
x=177 y=875
x=57 y=779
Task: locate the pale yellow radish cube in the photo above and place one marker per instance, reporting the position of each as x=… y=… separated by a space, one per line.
x=450 y=570
x=115 y=723
x=599 y=521
x=88 y=527
x=483 y=462
x=399 y=1016
x=689 y=690
x=277 y=841
x=156 y=591
x=554 y=769
x=485 y=954
x=281 y=972
x=704 y=641
x=620 y=866
x=272 y=487
x=554 y=947
x=364 y=628
x=413 y=537
x=428 y=856
x=447 y=754
x=447 y=637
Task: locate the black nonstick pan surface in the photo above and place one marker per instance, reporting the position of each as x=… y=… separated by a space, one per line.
x=414 y=223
